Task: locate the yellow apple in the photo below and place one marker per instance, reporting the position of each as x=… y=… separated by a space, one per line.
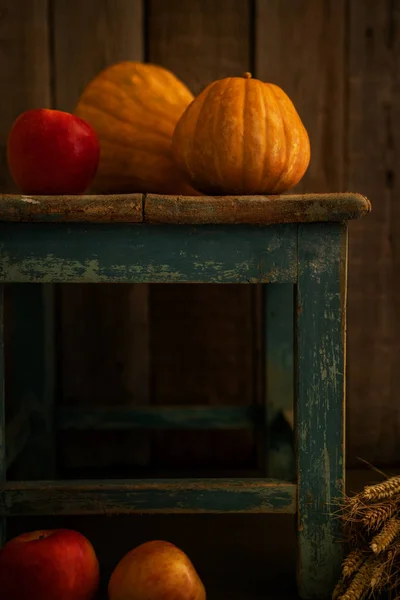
x=156 y=570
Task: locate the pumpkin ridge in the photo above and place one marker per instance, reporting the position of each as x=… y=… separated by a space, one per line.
x=253 y=156
x=296 y=136
x=275 y=181
x=145 y=72
x=164 y=114
x=134 y=128
x=182 y=153
x=204 y=109
x=134 y=108
x=196 y=130
x=135 y=131
x=224 y=84
x=290 y=136
x=182 y=157
x=239 y=183
x=181 y=91
x=244 y=120
x=241 y=140
x=265 y=138
x=108 y=79
x=136 y=103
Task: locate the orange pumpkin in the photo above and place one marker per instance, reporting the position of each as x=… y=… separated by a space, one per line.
x=134 y=107
x=241 y=136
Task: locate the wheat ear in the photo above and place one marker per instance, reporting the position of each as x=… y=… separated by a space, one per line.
x=382 y=491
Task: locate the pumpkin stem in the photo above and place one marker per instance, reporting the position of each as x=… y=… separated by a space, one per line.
x=247 y=75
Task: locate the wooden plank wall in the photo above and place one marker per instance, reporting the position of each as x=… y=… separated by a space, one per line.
x=373 y=167
x=339 y=62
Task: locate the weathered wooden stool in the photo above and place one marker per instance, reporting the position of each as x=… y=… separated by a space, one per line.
x=296 y=240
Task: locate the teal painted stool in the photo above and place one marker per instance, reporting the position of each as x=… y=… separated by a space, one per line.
x=298 y=242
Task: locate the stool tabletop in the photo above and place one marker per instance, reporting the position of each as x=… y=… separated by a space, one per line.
x=184 y=210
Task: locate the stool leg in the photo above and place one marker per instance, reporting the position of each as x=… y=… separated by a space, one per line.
x=3 y=466
x=320 y=354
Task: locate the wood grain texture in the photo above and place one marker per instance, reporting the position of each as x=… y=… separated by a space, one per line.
x=200 y=41
x=260 y=210
x=81 y=51
x=300 y=46
x=181 y=210
x=203 y=337
x=147 y=496
x=374 y=285
x=89 y=253
x=104 y=331
x=320 y=376
x=127 y=208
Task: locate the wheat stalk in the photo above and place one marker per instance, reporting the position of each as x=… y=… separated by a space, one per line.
x=352 y=507
x=339 y=590
x=371 y=530
x=382 y=491
x=360 y=584
x=378 y=576
x=352 y=562
x=393 y=551
x=375 y=516
x=385 y=537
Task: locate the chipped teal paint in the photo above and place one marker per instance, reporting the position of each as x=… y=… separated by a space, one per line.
x=309 y=255
x=320 y=404
x=158 y=417
x=3 y=463
x=147 y=496
x=279 y=384
x=32 y=387
x=59 y=252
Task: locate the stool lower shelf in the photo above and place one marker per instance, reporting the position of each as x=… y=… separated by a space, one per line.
x=113 y=497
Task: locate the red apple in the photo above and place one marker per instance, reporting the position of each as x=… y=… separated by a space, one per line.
x=52 y=152
x=157 y=570
x=58 y=564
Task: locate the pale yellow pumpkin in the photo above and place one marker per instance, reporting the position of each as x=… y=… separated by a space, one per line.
x=134 y=107
x=241 y=136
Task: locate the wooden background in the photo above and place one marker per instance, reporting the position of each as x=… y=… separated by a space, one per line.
x=339 y=61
